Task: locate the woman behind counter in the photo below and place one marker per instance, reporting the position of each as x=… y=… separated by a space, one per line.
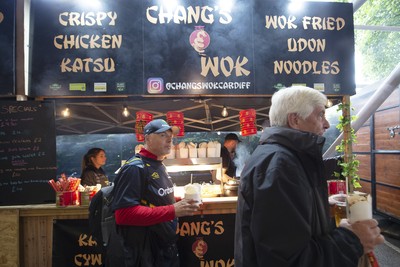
x=92 y=173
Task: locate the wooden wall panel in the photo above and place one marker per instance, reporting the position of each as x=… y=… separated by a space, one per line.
x=38 y=239
x=363 y=140
x=383 y=120
x=9 y=238
x=364 y=170
x=365 y=187
x=388 y=200
x=388 y=169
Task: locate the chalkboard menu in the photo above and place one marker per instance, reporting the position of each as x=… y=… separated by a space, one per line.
x=27 y=152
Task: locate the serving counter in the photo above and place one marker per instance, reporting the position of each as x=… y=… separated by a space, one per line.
x=26 y=232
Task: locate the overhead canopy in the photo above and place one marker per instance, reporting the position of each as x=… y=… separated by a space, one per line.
x=104 y=116
x=201 y=114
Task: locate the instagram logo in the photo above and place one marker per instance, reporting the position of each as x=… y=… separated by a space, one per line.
x=155 y=85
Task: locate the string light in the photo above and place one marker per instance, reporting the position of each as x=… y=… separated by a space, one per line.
x=125 y=112
x=224 y=112
x=66 y=112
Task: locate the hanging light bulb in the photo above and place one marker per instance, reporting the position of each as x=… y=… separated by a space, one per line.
x=125 y=112
x=224 y=112
x=66 y=112
x=329 y=103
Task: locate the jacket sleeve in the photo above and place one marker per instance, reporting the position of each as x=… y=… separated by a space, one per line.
x=88 y=178
x=281 y=224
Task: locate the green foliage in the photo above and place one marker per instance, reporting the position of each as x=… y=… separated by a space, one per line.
x=349 y=168
x=380 y=50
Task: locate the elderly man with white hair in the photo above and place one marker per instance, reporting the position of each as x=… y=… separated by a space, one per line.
x=283 y=211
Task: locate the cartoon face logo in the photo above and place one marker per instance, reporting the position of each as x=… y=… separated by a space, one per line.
x=155 y=85
x=199 y=39
x=199 y=248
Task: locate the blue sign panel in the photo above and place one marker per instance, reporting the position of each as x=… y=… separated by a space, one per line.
x=304 y=43
x=198 y=47
x=84 y=49
x=180 y=48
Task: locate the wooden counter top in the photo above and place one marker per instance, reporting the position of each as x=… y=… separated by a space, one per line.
x=48 y=210
x=212 y=205
x=218 y=205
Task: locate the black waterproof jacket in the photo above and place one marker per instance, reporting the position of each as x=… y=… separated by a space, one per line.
x=283 y=211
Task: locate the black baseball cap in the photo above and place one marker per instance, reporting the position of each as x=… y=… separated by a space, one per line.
x=232 y=136
x=159 y=126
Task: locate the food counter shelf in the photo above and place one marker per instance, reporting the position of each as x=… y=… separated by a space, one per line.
x=195 y=164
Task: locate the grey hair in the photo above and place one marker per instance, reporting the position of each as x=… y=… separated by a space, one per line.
x=297 y=99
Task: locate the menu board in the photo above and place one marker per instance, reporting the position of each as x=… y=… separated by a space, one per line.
x=82 y=49
x=198 y=47
x=7 y=47
x=191 y=47
x=304 y=43
x=27 y=152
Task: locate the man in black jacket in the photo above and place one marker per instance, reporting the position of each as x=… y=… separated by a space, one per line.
x=283 y=212
x=228 y=151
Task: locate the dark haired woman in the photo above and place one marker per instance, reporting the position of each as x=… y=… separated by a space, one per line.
x=92 y=173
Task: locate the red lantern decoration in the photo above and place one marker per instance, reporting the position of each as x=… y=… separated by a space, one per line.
x=248 y=124
x=176 y=118
x=247 y=113
x=142 y=118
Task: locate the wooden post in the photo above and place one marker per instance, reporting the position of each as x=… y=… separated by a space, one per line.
x=348 y=145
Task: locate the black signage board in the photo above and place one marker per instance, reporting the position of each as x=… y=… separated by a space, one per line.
x=74 y=246
x=192 y=47
x=7 y=47
x=86 y=48
x=304 y=43
x=198 y=47
x=207 y=240
x=27 y=152
x=204 y=240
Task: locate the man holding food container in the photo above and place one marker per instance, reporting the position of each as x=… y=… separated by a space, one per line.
x=144 y=203
x=283 y=211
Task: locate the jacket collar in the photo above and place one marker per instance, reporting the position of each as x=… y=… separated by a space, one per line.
x=297 y=140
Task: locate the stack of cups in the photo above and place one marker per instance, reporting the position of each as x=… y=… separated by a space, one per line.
x=142 y=118
x=176 y=118
x=248 y=122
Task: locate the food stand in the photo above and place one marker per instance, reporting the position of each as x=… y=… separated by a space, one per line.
x=114 y=51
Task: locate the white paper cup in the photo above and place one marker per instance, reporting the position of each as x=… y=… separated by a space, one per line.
x=171 y=155
x=196 y=197
x=192 y=152
x=359 y=207
x=211 y=152
x=202 y=152
x=184 y=153
x=193 y=191
x=218 y=150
